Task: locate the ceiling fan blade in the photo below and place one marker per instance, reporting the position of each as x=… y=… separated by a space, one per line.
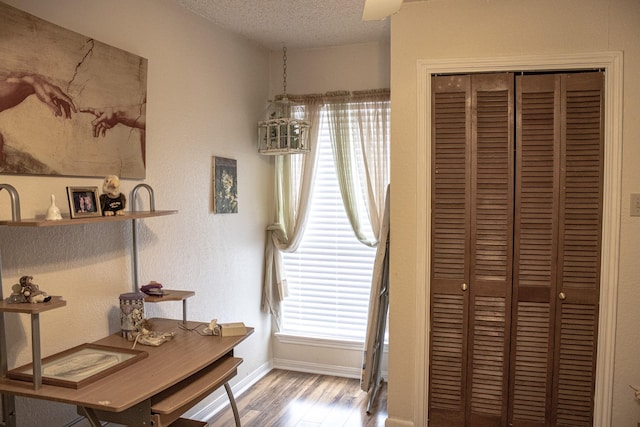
x=376 y=10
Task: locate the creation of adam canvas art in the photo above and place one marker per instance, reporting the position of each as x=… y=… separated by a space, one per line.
x=69 y=105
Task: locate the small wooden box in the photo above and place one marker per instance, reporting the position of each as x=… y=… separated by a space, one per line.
x=232 y=329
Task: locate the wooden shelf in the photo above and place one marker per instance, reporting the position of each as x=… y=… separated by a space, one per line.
x=169 y=295
x=172 y=296
x=27 y=308
x=41 y=222
x=34 y=310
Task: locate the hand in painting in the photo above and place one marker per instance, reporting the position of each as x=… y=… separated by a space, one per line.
x=133 y=116
x=16 y=88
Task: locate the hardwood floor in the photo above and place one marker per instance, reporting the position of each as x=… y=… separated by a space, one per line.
x=296 y=399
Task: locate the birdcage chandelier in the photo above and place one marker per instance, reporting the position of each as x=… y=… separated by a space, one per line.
x=281 y=133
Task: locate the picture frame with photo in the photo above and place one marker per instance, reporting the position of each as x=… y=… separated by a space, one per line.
x=83 y=202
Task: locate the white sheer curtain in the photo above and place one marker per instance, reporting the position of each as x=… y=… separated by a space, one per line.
x=294 y=175
x=360 y=139
x=358 y=123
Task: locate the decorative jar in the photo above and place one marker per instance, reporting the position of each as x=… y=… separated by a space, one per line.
x=131 y=314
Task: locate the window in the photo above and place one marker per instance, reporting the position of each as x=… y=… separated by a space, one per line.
x=329 y=276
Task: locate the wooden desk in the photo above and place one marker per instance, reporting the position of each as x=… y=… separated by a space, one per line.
x=154 y=391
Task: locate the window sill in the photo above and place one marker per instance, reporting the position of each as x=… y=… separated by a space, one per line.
x=340 y=344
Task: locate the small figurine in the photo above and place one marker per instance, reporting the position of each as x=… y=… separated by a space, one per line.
x=147 y=336
x=53 y=213
x=27 y=291
x=112 y=202
x=16 y=296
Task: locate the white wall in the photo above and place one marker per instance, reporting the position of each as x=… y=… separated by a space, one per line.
x=441 y=30
x=351 y=67
x=206 y=91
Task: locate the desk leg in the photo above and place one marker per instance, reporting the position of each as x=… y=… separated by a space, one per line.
x=234 y=407
x=184 y=312
x=36 y=356
x=9 y=410
x=90 y=416
x=8 y=400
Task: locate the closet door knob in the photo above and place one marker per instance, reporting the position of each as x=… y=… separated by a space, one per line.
x=562 y=296
x=464 y=286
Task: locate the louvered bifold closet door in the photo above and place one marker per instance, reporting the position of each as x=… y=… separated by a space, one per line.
x=471 y=269
x=535 y=252
x=516 y=243
x=491 y=262
x=451 y=179
x=579 y=248
x=557 y=247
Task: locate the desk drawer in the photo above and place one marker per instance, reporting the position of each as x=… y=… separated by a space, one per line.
x=183 y=422
x=168 y=405
x=180 y=422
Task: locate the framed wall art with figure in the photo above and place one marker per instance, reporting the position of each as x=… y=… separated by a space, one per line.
x=225 y=185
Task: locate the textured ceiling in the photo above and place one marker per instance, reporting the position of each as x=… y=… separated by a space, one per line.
x=294 y=23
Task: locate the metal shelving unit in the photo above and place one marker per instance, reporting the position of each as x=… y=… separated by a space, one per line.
x=34 y=310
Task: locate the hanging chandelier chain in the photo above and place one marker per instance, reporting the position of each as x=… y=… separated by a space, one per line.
x=282 y=134
x=284 y=70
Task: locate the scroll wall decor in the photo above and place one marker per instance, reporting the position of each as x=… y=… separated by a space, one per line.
x=69 y=105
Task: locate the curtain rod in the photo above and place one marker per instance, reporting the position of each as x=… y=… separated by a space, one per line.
x=340 y=96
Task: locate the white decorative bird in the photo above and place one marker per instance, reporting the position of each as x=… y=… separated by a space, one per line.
x=53 y=213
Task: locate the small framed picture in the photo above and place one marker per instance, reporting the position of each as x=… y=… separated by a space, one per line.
x=81 y=365
x=83 y=202
x=225 y=185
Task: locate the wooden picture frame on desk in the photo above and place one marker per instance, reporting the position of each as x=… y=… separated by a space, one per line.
x=81 y=365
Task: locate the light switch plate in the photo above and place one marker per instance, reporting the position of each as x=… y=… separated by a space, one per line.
x=635 y=205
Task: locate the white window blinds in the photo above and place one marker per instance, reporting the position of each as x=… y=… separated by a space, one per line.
x=329 y=276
